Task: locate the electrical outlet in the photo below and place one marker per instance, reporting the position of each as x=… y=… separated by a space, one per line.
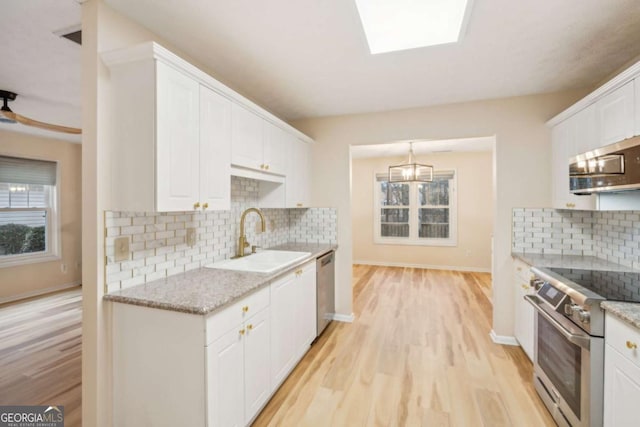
x=63 y=268
x=121 y=249
x=191 y=236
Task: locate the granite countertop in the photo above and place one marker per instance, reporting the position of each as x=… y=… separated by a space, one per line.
x=570 y=261
x=629 y=312
x=206 y=290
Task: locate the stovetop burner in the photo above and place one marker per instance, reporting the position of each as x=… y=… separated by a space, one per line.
x=611 y=285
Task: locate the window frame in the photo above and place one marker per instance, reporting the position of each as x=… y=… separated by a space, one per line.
x=52 y=228
x=414 y=206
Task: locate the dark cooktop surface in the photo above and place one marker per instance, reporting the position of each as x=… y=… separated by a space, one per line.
x=611 y=285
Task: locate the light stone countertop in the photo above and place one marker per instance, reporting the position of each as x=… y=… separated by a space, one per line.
x=205 y=290
x=628 y=312
x=570 y=261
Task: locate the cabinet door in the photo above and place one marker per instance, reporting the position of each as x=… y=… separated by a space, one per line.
x=586 y=130
x=246 y=137
x=256 y=364
x=283 y=328
x=306 y=309
x=298 y=176
x=563 y=146
x=215 y=150
x=524 y=318
x=177 y=140
x=275 y=149
x=615 y=114
x=621 y=390
x=225 y=380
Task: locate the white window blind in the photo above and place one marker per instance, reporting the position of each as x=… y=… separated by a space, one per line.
x=16 y=170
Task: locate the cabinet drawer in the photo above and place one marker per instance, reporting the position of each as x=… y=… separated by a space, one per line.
x=220 y=323
x=621 y=336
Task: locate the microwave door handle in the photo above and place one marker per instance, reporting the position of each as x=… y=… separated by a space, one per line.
x=579 y=340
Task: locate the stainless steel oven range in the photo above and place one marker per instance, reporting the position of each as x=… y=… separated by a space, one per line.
x=569 y=338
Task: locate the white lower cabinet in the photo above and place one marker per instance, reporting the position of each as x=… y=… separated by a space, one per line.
x=621 y=374
x=524 y=312
x=237 y=374
x=172 y=368
x=293 y=320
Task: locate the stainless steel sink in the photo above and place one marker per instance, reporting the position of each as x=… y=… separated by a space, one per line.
x=263 y=262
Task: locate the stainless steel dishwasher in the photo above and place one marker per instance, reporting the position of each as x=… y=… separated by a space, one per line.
x=325 y=283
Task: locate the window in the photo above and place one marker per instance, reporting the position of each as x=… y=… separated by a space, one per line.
x=421 y=213
x=28 y=230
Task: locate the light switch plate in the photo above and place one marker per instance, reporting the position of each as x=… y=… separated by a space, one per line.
x=121 y=249
x=191 y=236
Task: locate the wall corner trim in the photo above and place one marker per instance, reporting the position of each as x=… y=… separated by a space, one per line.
x=503 y=339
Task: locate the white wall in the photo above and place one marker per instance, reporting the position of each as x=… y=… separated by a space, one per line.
x=474 y=195
x=522 y=159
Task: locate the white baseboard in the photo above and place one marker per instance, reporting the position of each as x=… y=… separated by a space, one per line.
x=429 y=266
x=503 y=339
x=39 y=292
x=347 y=318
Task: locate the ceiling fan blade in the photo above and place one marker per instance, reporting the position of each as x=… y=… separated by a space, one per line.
x=47 y=126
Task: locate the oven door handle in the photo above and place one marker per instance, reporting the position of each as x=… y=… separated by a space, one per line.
x=579 y=340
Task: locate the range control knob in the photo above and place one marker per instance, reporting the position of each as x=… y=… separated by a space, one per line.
x=571 y=308
x=536 y=283
x=584 y=316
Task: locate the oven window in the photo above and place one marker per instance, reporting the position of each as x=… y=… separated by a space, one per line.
x=561 y=361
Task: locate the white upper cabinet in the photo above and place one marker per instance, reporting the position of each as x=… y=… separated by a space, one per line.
x=171 y=145
x=615 y=115
x=275 y=149
x=176 y=132
x=586 y=131
x=563 y=146
x=215 y=150
x=247 y=138
x=257 y=144
x=298 y=185
x=178 y=140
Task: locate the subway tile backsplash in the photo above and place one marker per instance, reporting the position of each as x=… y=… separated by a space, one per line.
x=158 y=240
x=614 y=236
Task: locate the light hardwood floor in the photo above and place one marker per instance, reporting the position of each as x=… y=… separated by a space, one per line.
x=40 y=353
x=418 y=354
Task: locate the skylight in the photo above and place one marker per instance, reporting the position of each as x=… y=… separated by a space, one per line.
x=392 y=25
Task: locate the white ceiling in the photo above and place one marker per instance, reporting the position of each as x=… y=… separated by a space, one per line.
x=421 y=147
x=308 y=58
x=41 y=67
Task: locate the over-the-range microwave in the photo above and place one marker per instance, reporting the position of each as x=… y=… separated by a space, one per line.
x=614 y=167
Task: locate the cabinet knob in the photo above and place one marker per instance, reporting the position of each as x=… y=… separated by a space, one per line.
x=266 y=167
x=571 y=205
x=205 y=205
x=241 y=331
x=196 y=205
x=298 y=272
x=249 y=327
x=245 y=308
x=299 y=205
x=631 y=345
x=262 y=166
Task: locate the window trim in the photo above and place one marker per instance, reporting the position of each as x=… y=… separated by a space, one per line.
x=413 y=239
x=54 y=244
